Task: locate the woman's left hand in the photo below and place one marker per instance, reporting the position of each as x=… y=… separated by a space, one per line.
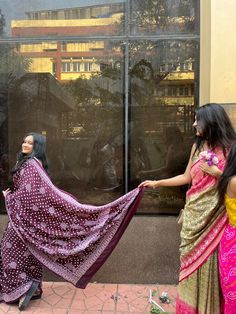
x=5 y=192
x=211 y=170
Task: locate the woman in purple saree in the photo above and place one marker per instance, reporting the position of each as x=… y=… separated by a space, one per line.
x=49 y=227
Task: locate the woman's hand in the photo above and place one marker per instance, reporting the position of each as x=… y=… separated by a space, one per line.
x=149 y=184
x=211 y=170
x=6 y=192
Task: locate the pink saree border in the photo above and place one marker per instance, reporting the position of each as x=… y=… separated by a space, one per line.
x=203 y=250
x=207 y=180
x=210 y=238
x=184 y=308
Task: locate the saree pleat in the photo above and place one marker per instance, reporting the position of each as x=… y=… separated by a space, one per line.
x=199 y=289
x=49 y=227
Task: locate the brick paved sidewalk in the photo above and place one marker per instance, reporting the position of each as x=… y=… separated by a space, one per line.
x=63 y=298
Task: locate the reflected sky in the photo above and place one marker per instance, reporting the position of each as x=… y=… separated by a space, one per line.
x=15 y=9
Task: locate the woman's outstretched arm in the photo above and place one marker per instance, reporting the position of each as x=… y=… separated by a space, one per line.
x=181 y=179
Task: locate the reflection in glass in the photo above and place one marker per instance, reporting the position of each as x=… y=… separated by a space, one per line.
x=78 y=107
x=27 y=18
x=162 y=110
x=61 y=78
x=164 y=16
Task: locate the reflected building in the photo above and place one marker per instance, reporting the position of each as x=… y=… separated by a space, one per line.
x=77 y=61
x=43 y=100
x=68 y=60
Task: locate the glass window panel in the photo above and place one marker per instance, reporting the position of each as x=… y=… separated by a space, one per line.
x=80 y=92
x=76 y=66
x=29 y=18
x=81 y=115
x=66 y=67
x=164 y=16
x=161 y=124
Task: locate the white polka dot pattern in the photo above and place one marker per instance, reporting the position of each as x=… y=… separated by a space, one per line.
x=52 y=228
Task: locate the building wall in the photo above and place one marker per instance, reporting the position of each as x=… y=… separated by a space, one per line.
x=217 y=52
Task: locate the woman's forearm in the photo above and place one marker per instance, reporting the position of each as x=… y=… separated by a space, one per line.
x=179 y=180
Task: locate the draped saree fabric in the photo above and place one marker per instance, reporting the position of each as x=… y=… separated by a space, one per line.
x=49 y=227
x=203 y=226
x=227 y=259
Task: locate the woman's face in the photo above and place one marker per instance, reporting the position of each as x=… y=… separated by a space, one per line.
x=28 y=144
x=197 y=128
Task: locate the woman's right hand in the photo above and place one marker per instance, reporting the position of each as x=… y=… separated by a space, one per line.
x=5 y=192
x=149 y=184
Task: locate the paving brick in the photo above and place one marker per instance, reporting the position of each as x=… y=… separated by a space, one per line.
x=64 y=298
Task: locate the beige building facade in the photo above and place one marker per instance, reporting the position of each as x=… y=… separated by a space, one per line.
x=217 y=52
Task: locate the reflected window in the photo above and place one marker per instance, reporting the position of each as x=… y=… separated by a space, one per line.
x=81 y=117
x=76 y=66
x=66 y=67
x=87 y=66
x=107 y=86
x=164 y=96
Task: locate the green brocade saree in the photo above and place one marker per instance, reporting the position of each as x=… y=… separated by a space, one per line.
x=203 y=225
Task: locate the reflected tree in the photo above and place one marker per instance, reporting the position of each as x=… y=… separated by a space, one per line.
x=163 y=15
x=152 y=13
x=12 y=64
x=2 y=23
x=100 y=99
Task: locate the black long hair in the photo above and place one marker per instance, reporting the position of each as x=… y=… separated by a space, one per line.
x=229 y=172
x=39 y=151
x=215 y=127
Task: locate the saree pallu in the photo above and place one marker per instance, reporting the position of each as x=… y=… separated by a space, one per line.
x=49 y=227
x=227 y=259
x=203 y=225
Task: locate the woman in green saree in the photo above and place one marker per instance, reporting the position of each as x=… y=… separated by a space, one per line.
x=199 y=289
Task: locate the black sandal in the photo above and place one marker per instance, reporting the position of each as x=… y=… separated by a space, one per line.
x=37 y=295
x=25 y=299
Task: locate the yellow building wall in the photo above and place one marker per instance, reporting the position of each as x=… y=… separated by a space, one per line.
x=31 y=47
x=173 y=76
x=174 y=101
x=218 y=51
x=41 y=65
x=67 y=23
x=68 y=76
x=70 y=46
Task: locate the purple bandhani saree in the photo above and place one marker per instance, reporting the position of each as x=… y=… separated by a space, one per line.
x=49 y=227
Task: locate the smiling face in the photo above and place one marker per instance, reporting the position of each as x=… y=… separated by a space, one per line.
x=27 y=145
x=196 y=126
